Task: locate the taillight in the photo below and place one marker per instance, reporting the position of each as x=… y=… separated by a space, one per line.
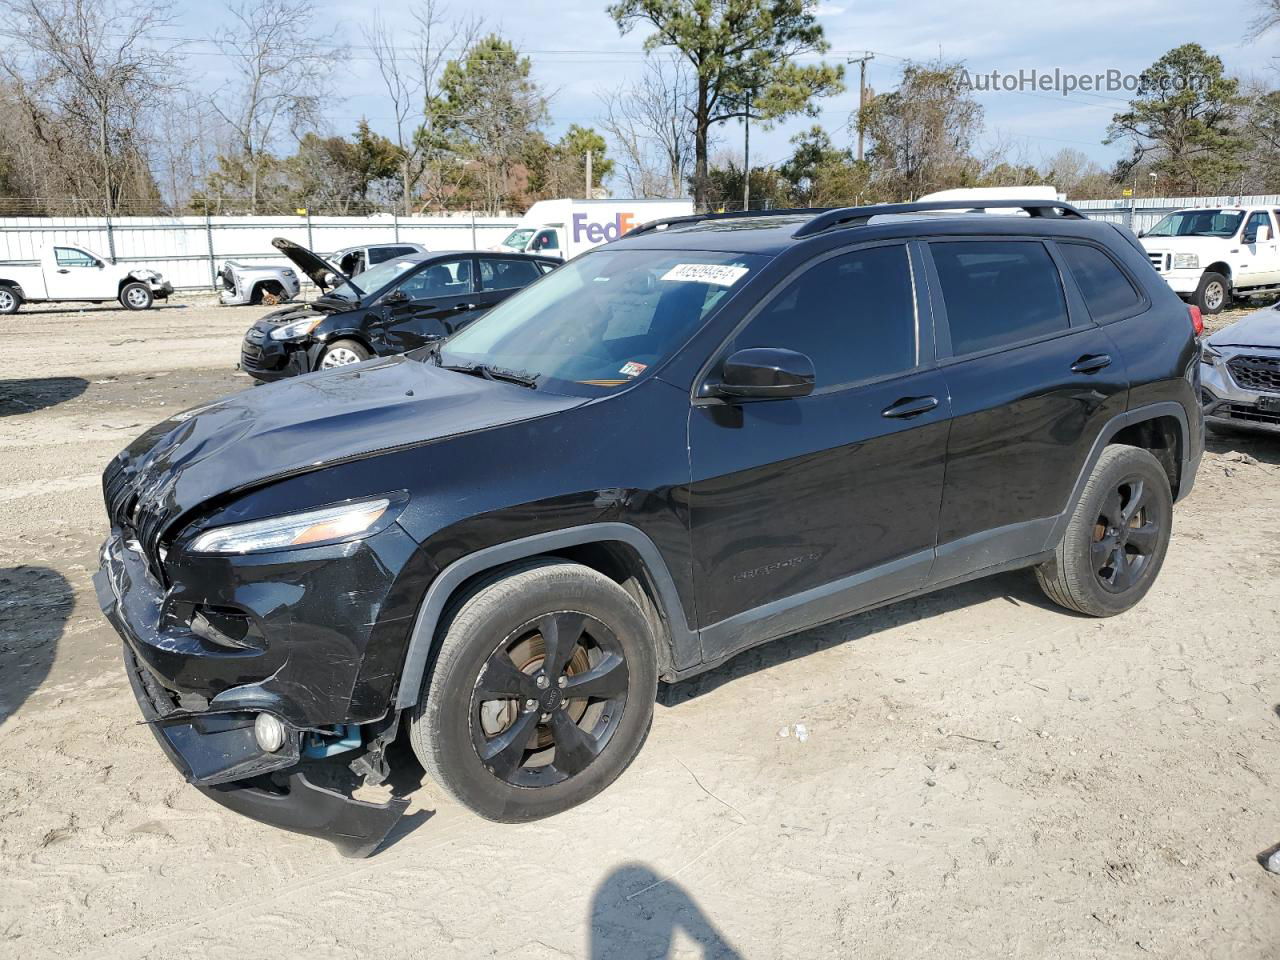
x=1197 y=321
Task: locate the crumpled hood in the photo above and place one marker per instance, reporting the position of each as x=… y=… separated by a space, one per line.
x=299 y=425
x=1258 y=329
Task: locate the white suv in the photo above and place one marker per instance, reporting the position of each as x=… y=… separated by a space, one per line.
x=1210 y=255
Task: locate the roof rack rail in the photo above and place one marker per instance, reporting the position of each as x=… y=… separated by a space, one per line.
x=652 y=225
x=859 y=216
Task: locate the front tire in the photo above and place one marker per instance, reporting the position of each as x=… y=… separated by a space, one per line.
x=1117 y=537
x=541 y=695
x=135 y=296
x=340 y=353
x=1213 y=294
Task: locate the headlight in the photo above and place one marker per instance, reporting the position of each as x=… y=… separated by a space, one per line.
x=1186 y=261
x=295 y=329
x=1208 y=354
x=348 y=521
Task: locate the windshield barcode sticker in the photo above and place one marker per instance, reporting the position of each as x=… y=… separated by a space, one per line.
x=718 y=274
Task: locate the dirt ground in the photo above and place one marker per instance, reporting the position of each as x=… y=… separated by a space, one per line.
x=979 y=773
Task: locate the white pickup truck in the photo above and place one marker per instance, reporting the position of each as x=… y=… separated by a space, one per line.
x=73 y=272
x=1210 y=255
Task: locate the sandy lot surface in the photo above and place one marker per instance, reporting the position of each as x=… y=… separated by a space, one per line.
x=982 y=775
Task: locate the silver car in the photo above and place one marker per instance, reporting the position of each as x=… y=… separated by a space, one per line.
x=1240 y=373
x=241 y=283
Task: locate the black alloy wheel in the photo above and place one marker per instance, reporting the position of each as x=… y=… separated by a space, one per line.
x=1125 y=536
x=541 y=693
x=548 y=699
x=1116 y=537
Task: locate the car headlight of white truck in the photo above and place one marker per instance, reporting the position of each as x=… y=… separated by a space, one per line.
x=1186 y=261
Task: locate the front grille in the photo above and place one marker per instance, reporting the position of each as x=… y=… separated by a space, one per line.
x=1240 y=411
x=118 y=493
x=1160 y=261
x=250 y=357
x=1256 y=373
x=135 y=520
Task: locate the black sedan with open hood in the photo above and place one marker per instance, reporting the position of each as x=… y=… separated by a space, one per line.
x=396 y=306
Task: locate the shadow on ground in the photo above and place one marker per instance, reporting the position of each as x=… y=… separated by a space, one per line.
x=1265 y=448
x=27 y=396
x=1018 y=588
x=635 y=913
x=35 y=602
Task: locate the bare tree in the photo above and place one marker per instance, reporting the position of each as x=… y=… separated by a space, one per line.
x=1267 y=18
x=90 y=70
x=652 y=122
x=282 y=80
x=411 y=73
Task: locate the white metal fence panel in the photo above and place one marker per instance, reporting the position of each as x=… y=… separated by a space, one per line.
x=189 y=250
x=1145 y=212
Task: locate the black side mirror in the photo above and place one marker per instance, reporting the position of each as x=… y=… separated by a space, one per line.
x=396 y=296
x=1141 y=234
x=766 y=373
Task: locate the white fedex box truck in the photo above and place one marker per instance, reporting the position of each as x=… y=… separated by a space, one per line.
x=566 y=228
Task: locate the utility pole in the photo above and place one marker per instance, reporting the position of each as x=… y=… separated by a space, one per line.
x=746 y=154
x=590 y=194
x=862 y=91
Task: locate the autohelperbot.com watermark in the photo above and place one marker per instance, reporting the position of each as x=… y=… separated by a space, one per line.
x=1067 y=82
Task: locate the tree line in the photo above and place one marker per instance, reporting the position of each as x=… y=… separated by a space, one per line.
x=102 y=110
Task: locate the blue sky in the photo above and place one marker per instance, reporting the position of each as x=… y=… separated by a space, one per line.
x=577 y=52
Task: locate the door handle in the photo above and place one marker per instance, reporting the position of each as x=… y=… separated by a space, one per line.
x=64 y=270
x=459 y=307
x=1091 y=363
x=909 y=407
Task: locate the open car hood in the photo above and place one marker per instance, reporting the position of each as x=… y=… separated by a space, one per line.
x=319 y=270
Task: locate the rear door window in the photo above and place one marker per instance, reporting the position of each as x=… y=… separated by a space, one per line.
x=853 y=315
x=1106 y=290
x=998 y=292
x=449 y=278
x=383 y=254
x=501 y=274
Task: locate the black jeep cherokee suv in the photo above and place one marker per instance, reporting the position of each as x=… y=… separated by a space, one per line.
x=714 y=432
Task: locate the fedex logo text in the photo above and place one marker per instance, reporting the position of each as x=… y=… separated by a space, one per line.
x=601 y=232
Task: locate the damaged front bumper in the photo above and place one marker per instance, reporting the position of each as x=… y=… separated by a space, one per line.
x=286 y=799
x=216 y=749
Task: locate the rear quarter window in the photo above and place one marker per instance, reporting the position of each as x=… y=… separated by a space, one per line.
x=998 y=292
x=1106 y=290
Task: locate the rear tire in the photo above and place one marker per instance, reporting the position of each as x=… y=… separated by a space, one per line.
x=500 y=756
x=340 y=353
x=10 y=300
x=1117 y=536
x=1213 y=294
x=135 y=296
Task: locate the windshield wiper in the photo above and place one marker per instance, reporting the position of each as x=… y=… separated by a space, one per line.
x=518 y=377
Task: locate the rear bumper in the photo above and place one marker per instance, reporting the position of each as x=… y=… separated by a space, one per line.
x=286 y=799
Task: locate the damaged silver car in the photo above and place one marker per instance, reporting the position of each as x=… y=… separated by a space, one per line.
x=1240 y=374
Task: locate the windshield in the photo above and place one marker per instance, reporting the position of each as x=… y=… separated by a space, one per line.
x=518 y=239
x=1198 y=223
x=373 y=279
x=603 y=319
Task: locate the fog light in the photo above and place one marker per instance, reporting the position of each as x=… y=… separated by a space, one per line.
x=269 y=732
